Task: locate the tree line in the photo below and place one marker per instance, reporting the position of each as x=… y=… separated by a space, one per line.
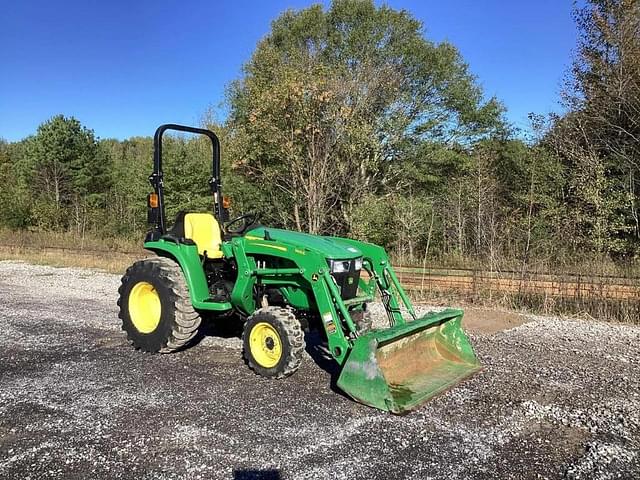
x=348 y=121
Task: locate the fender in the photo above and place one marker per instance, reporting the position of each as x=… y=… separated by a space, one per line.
x=187 y=257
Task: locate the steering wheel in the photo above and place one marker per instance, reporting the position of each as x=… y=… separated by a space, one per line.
x=247 y=220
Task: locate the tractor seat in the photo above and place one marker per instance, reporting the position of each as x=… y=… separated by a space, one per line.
x=204 y=230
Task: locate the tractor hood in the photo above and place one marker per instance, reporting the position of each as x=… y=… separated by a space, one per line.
x=330 y=247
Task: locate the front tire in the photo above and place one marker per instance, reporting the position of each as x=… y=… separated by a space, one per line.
x=155 y=307
x=273 y=342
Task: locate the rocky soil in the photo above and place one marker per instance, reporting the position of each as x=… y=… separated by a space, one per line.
x=558 y=398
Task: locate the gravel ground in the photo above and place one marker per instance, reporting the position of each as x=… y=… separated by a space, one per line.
x=558 y=398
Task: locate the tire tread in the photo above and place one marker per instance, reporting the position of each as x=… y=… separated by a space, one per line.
x=294 y=338
x=186 y=319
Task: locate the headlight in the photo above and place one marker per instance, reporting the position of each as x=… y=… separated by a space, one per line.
x=339 y=266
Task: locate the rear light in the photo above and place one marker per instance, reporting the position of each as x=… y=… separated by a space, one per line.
x=152 y=200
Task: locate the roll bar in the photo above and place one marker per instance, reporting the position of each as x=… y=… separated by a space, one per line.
x=156 y=178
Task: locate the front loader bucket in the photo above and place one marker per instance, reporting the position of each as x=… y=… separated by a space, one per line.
x=399 y=368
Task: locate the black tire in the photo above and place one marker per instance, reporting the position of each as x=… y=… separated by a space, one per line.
x=363 y=320
x=288 y=328
x=178 y=322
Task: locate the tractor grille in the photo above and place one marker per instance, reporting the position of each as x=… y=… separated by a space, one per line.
x=348 y=280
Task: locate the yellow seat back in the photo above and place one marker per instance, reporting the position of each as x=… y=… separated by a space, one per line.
x=204 y=230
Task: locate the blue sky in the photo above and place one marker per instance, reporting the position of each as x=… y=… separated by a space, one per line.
x=122 y=68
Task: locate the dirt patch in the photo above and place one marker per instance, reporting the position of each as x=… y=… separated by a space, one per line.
x=490 y=321
x=477 y=320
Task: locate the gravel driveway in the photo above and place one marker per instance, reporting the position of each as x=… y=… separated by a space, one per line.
x=557 y=399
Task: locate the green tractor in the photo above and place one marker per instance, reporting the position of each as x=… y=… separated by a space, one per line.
x=278 y=281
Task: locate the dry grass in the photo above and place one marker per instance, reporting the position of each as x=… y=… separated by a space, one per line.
x=70 y=241
x=113 y=255
x=593 y=265
x=621 y=310
x=109 y=262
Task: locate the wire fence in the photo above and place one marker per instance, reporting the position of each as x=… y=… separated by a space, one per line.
x=606 y=297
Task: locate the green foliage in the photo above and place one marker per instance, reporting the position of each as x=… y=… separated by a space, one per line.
x=598 y=139
x=131 y=165
x=187 y=166
x=348 y=121
x=15 y=202
x=374 y=221
x=69 y=173
x=333 y=102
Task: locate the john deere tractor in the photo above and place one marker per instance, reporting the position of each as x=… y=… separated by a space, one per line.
x=278 y=283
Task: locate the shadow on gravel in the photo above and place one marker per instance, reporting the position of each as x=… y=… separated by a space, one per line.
x=256 y=475
x=224 y=327
x=315 y=344
x=316 y=347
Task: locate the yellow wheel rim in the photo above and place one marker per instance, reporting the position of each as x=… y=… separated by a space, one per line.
x=144 y=307
x=265 y=344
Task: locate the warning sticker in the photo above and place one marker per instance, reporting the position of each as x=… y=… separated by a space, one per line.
x=327 y=319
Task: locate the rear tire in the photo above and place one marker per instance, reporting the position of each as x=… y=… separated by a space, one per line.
x=273 y=342
x=155 y=306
